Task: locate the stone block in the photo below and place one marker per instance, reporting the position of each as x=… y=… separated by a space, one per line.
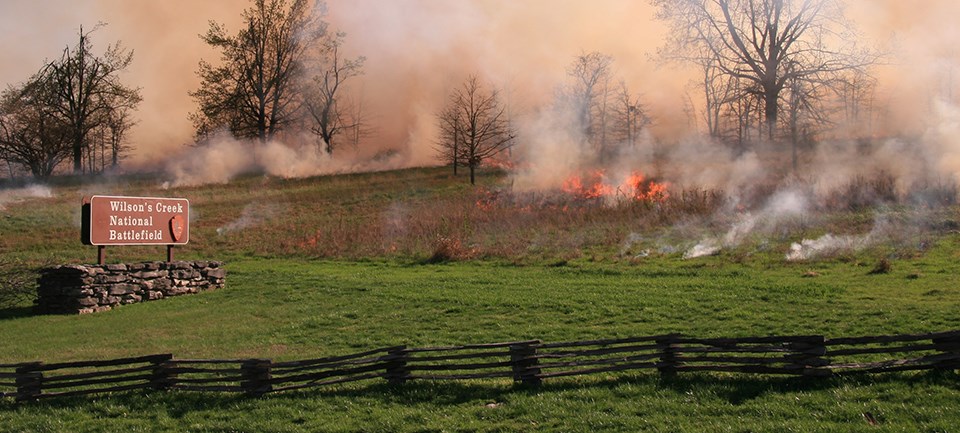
x=79 y=292
x=111 y=279
x=149 y=275
x=123 y=289
x=216 y=273
x=130 y=299
x=96 y=309
x=179 y=265
x=87 y=302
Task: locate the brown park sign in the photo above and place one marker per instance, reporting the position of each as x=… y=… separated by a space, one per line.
x=114 y=220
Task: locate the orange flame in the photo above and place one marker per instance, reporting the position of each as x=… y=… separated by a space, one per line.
x=635 y=187
x=641 y=189
x=594 y=188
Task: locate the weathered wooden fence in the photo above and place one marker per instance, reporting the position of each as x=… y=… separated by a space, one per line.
x=528 y=362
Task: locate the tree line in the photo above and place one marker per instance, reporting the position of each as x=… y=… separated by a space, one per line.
x=772 y=70
x=283 y=70
x=775 y=71
x=73 y=109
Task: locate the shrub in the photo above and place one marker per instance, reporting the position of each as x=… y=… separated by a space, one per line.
x=17 y=283
x=449 y=249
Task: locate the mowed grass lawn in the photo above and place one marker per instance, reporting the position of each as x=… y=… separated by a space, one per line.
x=300 y=308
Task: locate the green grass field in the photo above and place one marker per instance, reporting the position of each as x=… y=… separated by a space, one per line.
x=337 y=265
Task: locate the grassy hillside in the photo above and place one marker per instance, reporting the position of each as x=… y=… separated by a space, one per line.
x=335 y=265
x=409 y=215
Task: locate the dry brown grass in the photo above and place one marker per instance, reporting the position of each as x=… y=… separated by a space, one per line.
x=424 y=214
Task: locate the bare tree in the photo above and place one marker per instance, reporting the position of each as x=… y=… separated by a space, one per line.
x=856 y=93
x=630 y=116
x=86 y=87
x=359 y=123
x=115 y=128
x=474 y=126
x=591 y=74
x=330 y=113
x=451 y=144
x=741 y=115
x=253 y=92
x=805 y=103
x=32 y=134
x=17 y=283
x=756 y=40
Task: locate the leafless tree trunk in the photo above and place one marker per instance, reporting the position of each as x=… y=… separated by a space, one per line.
x=755 y=40
x=591 y=73
x=474 y=126
x=630 y=116
x=87 y=86
x=253 y=92
x=32 y=133
x=330 y=114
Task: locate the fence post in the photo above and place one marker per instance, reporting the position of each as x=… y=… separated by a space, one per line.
x=162 y=379
x=29 y=382
x=523 y=362
x=397 y=372
x=669 y=358
x=950 y=346
x=256 y=377
x=808 y=354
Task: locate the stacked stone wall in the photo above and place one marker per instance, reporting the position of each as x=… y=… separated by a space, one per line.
x=80 y=289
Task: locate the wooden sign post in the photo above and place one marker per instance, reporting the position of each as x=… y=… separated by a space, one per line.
x=117 y=220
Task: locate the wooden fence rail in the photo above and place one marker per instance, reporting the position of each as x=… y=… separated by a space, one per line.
x=527 y=362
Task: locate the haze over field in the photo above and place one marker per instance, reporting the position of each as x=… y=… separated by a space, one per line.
x=417 y=50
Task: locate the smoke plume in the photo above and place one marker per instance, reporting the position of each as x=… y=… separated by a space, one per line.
x=224 y=158
x=252 y=215
x=14 y=195
x=419 y=50
x=782 y=207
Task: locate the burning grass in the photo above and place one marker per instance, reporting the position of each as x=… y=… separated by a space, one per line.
x=426 y=214
x=597 y=185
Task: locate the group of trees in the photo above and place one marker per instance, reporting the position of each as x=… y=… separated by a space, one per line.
x=607 y=114
x=283 y=70
x=773 y=68
x=73 y=108
x=475 y=125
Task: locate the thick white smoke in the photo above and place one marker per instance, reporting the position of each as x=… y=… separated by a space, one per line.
x=784 y=206
x=224 y=158
x=14 y=195
x=825 y=245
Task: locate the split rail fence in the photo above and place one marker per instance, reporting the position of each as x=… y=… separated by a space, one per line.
x=527 y=362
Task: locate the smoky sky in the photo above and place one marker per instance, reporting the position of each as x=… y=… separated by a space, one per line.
x=418 y=50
